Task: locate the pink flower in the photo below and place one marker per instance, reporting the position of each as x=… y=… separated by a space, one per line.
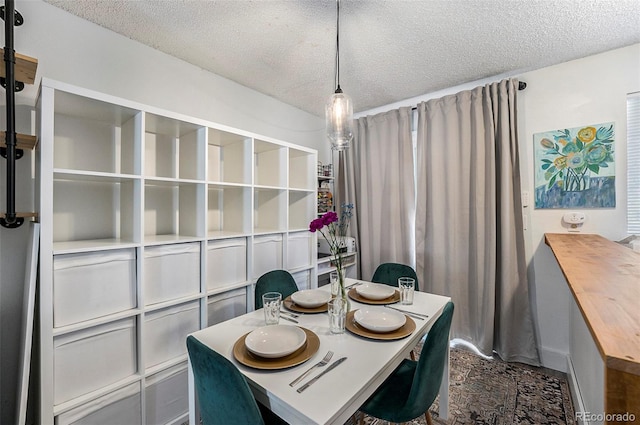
x=330 y=217
x=315 y=225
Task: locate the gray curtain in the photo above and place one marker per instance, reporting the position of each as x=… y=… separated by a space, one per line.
x=379 y=181
x=469 y=227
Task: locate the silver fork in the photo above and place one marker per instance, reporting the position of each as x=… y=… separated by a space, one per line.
x=295 y=316
x=321 y=363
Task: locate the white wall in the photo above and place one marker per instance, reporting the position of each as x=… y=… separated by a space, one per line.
x=591 y=90
x=77 y=52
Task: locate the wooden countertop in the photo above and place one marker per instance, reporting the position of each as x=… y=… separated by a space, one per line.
x=604 y=278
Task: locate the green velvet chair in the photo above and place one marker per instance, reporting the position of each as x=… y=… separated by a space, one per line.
x=389 y=273
x=274 y=281
x=224 y=396
x=412 y=388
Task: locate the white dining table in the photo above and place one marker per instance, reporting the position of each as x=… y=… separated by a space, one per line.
x=336 y=396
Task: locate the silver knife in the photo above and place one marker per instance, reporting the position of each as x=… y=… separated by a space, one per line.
x=409 y=313
x=289 y=319
x=328 y=369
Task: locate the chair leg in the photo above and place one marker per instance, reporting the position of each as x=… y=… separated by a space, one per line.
x=427 y=416
x=412 y=355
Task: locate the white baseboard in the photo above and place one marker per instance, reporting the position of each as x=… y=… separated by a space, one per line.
x=553 y=359
x=576 y=396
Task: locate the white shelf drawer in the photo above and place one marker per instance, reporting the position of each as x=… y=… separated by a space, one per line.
x=122 y=406
x=90 y=285
x=90 y=359
x=226 y=262
x=167 y=395
x=166 y=331
x=171 y=271
x=299 y=250
x=303 y=279
x=267 y=254
x=226 y=306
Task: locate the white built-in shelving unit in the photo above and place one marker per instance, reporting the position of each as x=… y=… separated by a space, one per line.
x=153 y=225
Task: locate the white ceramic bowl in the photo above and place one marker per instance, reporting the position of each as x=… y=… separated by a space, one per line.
x=310 y=298
x=275 y=340
x=375 y=291
x=378 y=319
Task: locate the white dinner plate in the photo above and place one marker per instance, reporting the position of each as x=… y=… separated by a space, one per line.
x=375 y=291
x=379 y=319
x=310 y=298
x=275 y=340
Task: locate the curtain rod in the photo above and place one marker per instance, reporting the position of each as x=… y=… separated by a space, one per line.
x=521 y=86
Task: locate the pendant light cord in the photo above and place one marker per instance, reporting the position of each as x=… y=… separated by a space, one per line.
x=337 y=75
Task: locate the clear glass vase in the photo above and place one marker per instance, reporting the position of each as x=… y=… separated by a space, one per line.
x=342 y=286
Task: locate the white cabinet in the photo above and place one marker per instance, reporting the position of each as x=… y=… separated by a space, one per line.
x=154 y=225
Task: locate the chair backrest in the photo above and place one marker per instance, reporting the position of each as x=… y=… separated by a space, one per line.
x=389 y=273
x=223 y=393
x=430 y=368
x=274 y=281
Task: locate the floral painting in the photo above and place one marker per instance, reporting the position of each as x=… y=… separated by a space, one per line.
x=574 y=167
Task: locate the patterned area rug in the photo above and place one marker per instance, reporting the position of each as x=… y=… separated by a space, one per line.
x=493 y=392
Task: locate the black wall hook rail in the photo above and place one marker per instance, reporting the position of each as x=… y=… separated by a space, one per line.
x=10 y=220
x=17 y=17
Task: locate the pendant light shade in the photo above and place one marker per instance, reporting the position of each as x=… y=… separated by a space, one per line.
x=339 y=108
x=339 y=115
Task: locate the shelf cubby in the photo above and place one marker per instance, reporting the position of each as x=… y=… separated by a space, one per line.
x=173 y=211
x=191 y=153
x=269 y=210
x=173 y=148
x=228 y=210
x=269 y=164
x=302 y=168
x=301 y=209
x=229 y=157
x=94 y=211
x=91 y=135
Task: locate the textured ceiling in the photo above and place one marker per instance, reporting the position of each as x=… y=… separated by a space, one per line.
x=390 y=49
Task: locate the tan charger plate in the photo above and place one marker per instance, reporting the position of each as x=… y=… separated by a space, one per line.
x=289 y=304
x=402 y=332
x=353 y=294
x=299 y=356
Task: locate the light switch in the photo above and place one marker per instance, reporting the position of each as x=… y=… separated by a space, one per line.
x=525 y=198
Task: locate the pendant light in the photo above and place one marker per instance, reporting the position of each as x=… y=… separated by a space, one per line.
x=339 y=109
